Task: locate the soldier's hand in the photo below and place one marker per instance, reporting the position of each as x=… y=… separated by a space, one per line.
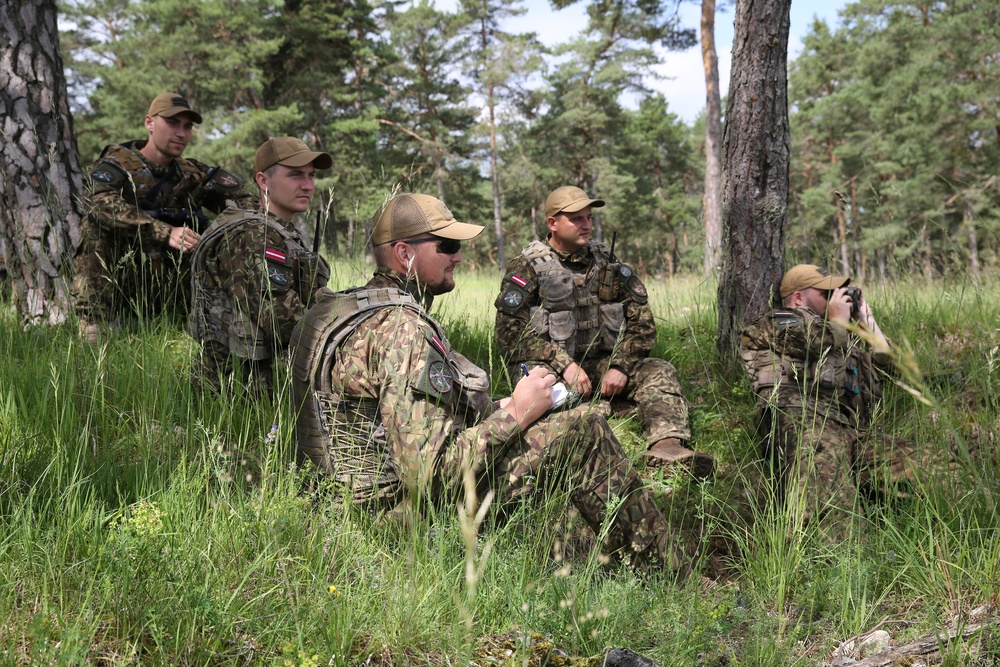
x=577 y=379
x=532 y=396
x=838 y=306
x=613 y=383
x=184 y=239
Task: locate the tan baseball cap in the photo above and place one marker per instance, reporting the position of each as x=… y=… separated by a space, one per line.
x=290 y=152
x=569 y=199
x=169 y=105
x=803 y=276
x=408 y=215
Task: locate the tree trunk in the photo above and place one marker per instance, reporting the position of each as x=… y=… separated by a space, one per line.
x=755 y=173
x=40 y=177
x=969 y=217
x=712 y=202
x=495 y=178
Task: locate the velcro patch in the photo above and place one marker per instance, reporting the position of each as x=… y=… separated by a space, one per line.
x=440 y=376
x=518 y=280
x=638 y=290
x=275 y=255
x=277 y=276
x=514 y=298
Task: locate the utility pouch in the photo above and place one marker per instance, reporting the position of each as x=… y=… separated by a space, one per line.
x=607 y=289
x=306 y=272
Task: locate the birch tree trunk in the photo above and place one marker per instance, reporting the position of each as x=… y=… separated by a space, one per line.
x=40 y=178
x=712 y=203
x=755 y=171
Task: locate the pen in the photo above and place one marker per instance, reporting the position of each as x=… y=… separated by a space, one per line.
x=524 y=369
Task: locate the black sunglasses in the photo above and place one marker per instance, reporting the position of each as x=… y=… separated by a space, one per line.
x=444 y=246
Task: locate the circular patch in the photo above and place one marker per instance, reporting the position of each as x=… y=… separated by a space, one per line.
x=626 y=271
x=513 y=298
x=277 y=277
x=440 y=376
x=102 y=176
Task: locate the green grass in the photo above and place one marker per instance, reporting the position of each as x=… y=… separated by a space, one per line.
x=142 y=523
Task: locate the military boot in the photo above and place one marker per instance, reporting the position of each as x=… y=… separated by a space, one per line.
x=672 y=452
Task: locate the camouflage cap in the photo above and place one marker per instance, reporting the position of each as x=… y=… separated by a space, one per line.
x=805 y=276
x=569 y=199
x=169 y=105
x=290 y=152
x=407 y=215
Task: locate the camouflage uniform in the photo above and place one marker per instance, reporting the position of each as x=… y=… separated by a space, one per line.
x=252 y=280
x=552 y=311
x=124 y=265
x=411 y=414
x=816 y=386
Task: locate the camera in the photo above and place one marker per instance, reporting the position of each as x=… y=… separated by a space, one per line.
x=854 y=292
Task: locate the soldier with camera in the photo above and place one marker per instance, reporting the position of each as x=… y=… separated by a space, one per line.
x=252 y=275
x=144 y=217
x=816 y=365
x=569 y=305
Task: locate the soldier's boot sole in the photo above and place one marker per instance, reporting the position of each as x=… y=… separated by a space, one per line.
x=670 y=452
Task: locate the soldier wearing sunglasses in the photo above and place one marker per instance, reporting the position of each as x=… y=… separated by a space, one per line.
x=816 y=365
x=399 y=418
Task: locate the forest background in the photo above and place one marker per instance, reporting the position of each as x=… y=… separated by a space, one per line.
x=893 y=112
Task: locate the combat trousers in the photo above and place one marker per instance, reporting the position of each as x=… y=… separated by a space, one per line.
x=654 y=389
x=824 y=468
x=576 y=450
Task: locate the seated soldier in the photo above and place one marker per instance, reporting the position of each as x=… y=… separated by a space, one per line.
x=567 y=304
x=398 y=417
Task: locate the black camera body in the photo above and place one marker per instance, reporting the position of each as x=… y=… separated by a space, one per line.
x=854 y=292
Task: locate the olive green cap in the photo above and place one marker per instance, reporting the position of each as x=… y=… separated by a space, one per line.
x=169 y=105
x=408 y=215
x=290 y=152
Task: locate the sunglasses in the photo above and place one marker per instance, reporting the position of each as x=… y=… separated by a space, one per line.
x=444 y=246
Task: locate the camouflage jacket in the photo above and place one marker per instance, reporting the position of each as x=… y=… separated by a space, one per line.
x=251 y=282
x=399 y=411
x=124 y=188
x=794 y=358
x=552 y=308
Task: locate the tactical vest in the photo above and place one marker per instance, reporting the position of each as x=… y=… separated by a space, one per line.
x=570 y=313
x=845 y=376
x=214 y=315
x=145 y=189
x=343 y=435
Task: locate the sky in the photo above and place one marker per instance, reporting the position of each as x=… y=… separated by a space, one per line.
x=684 y=83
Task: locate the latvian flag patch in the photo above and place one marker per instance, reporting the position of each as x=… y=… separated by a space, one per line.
x=274 y=255
x=518 y=280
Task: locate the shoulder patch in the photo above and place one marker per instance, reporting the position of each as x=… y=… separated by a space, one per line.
x=512 y=299
x=277 y=276
x=440 y=376
x=626 y=271
x=783 y=319
x=275 y=255
x=108 y=173
x=225 y=181
x=635 y=286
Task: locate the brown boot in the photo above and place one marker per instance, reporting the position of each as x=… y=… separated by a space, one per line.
x=91 y=333
x=671 y=452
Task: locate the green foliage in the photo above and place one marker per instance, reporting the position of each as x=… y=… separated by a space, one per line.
x=145 y=523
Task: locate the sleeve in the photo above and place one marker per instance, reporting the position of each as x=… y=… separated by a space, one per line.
x=516 y=338
x=106 y=203
x=640 y=327
x=428 y=441
x=224 y=189
x=809 y=336
x=253 y=261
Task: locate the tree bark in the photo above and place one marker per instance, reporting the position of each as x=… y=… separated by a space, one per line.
x=40 y=177
x=712 y=202
x=755 y=173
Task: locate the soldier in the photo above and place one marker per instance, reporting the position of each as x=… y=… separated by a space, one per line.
x=569 y=305
x=816 y=366
x=252 y=277
x=144 y=217
x=395 y=415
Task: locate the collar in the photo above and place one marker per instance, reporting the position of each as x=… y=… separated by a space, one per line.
x=581 y=256
x=386 y=277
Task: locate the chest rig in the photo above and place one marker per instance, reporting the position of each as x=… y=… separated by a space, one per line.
x=344 y=435
x=214 y=316
x=571 y=312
